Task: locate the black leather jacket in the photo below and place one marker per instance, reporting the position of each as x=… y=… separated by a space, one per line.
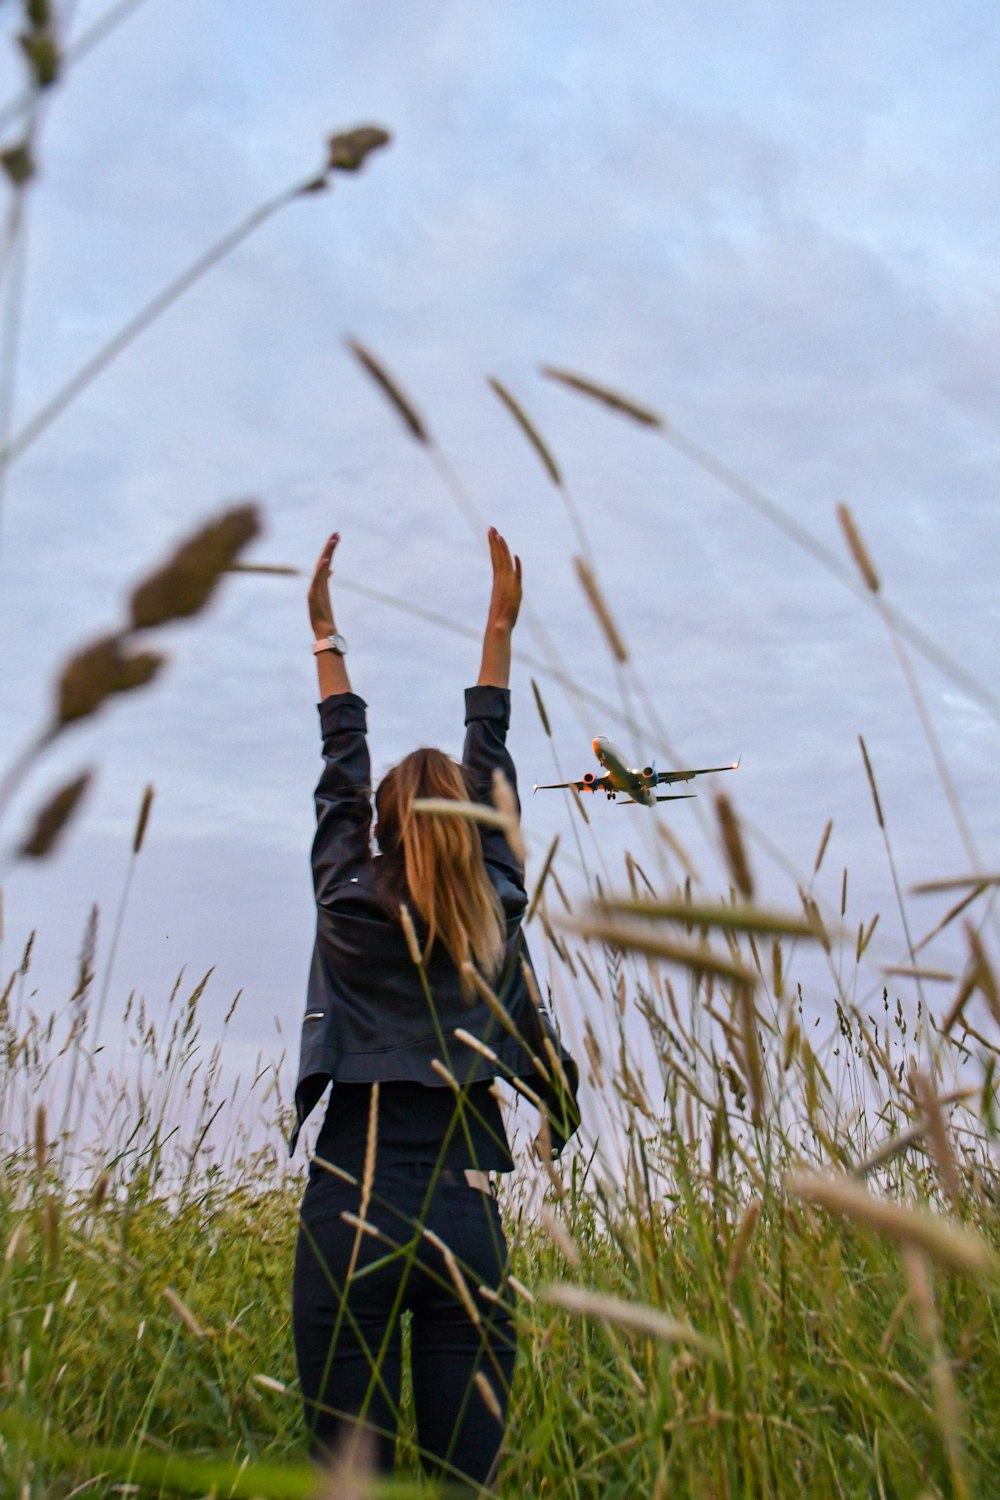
x=367 y=1017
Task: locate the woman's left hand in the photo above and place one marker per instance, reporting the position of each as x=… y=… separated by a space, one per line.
x=320 y=608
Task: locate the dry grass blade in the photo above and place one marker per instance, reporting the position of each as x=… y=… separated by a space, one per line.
x=632 y=1315
x=41 y=1141
x=560 y=1237
x=677 y=849
x=957 y=883
x=985 y=978
x=915 y=971
x=505 y=802
x=540 y=705
x=949 y=917
x=936 y=1132
x=951 y=1244
x=751 y=1049
x=725 y=918
x=741 y=1240
x=824 y=840
x=97 y=673
x=348 y=149
x=599 y=605
x=268 y=1383
x=410 y=934
x=461 y=1035
x=17 y=1244
x=732 y=843
x=142 y=822
x=491 y=1001
x=184 y=1313
x=965 y=991
x=186 y=581
x=350 y=1473
x=387 y=385
x=947 y=1407
x=530 y=431
x=489 y=1396
x=890 y=1148
x=52 y=819
x=858 y=549
x=277 y=570
x=625 y=404
x=458 y=1280
x=871 y=782
x=476 y=812
x=543 y=875
x=637 y=936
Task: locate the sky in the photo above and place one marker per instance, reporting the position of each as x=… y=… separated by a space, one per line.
x=773 y=224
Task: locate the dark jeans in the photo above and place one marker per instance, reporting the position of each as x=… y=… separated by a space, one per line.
x=351 y=1289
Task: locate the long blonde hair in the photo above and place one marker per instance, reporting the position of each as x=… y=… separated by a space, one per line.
x=437 y=862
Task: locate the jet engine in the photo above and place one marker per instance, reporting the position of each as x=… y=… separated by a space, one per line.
x=588 y=778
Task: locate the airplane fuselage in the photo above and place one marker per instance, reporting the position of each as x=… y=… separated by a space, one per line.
x=633 y=783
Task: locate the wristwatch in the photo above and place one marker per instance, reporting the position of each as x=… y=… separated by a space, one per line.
x=335 y=643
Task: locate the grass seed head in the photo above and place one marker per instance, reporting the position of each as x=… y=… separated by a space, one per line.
x=644 y=415
x=184 y=1313
x=732 y=843
x=489 y=1396
x=560 y=1237
x=858 y=549
x=410 y=934
x=348 y=150
x=505 y=802
x=530 y=431
x=741 y=1240
x=184 y=584
x=401 y=403
x=947 y=1242
x=871 y=782
x=98 y=672
x=53 y=818
x=635 y=1316
x=540 y=705
x=143 y=819
x=41 y=1141
x=599 y=605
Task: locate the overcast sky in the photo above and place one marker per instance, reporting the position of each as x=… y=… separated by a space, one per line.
x=774 y=224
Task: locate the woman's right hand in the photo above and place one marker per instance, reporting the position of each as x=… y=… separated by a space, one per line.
x=320 y=608
x=505 y=600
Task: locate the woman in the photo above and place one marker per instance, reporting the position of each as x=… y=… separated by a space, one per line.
x=419 y=942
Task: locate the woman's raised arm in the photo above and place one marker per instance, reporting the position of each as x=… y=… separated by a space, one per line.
x=330 y=665
x=505 y=601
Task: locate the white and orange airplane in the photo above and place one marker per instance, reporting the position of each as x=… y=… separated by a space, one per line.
x=636 y=785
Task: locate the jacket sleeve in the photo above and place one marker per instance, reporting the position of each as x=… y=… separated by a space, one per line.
x=487 y=716
x=343 y=794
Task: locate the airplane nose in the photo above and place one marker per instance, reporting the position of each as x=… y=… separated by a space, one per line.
x=596 y=745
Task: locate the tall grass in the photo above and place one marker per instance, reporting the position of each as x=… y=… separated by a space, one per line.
x=694 y=1319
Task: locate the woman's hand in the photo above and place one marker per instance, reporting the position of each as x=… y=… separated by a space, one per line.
x=320 y=608
x=505 y=600
x=330 y=665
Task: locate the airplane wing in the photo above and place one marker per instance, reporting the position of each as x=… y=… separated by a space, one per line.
x=668 y=776
x=599 y=784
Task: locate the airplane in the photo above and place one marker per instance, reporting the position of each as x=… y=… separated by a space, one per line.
x=637 y=785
